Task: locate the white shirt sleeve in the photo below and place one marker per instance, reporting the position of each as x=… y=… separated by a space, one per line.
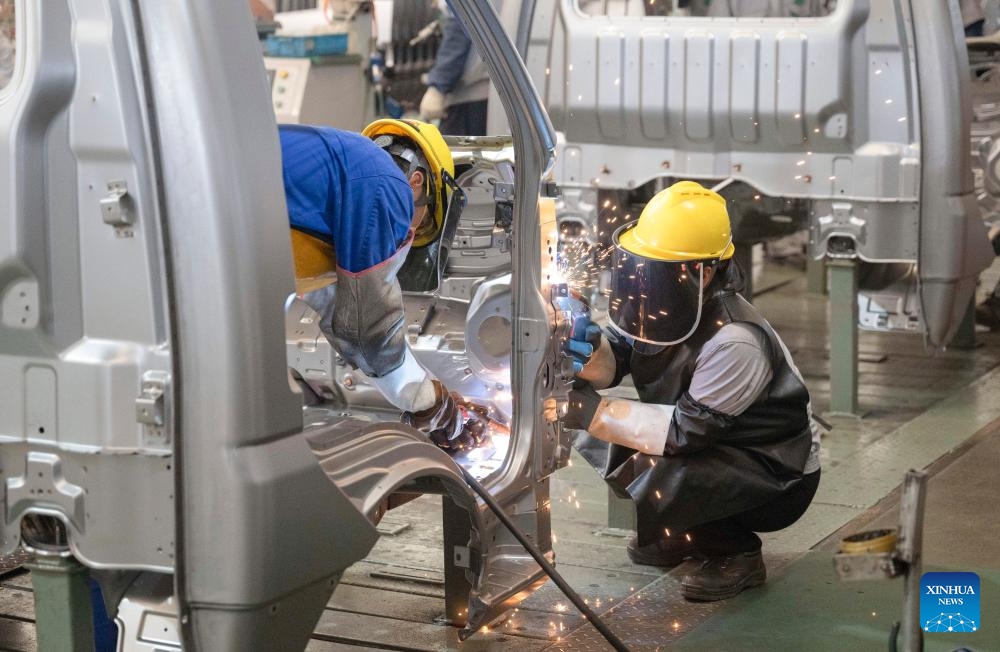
x=732 y=369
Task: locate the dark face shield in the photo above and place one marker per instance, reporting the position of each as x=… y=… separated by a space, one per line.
x=654 y=301
x=426 y=265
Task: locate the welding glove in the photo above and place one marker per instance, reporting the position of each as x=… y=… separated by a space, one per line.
x=593 y=359
x=640 y=426
x=582 y=343
x=432 y=104
x=452 y=423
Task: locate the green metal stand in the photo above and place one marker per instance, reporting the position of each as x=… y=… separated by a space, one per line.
x=815 y=275
x=843 y=287
x=63 y=618
x=621 y=512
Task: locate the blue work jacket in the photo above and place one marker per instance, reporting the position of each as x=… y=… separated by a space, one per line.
x=342 y=188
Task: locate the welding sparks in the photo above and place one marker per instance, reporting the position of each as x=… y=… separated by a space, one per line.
x=579 y=262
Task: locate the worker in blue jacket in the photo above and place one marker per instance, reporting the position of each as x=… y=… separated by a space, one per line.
x=357 y=204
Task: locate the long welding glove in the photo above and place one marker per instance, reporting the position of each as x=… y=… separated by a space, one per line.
x=409 y=386
x=639 y=426
x=451 y=422
x=593 y=360
x=601 y=367
x=581 y=345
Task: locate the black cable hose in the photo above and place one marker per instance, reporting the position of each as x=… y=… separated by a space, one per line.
x=549 y=569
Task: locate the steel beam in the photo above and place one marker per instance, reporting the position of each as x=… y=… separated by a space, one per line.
x=815 y=275
x=843 y=322
x=64 y=620
x=910 y=550
x=621 y=512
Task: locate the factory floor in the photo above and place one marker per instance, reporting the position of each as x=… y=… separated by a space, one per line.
x=941 y=414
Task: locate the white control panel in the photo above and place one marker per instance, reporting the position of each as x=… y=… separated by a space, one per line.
x=288 y=85
x=328 y=91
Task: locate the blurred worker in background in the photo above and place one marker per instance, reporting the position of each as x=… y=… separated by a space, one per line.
x=458 y=85
x=721 y=443
x=357 y=203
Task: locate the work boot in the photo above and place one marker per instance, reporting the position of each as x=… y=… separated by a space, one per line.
x=724 y=576
x=667 y=552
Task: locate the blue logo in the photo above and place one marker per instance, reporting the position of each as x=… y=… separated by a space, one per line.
x=949 y=602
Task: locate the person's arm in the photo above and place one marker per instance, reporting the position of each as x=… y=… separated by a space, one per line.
x=449 y=65
x=730 y=373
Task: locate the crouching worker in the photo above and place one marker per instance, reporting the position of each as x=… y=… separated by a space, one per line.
x=356 y=206
x=721 y=444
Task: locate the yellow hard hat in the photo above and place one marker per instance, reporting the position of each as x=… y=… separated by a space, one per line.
x=435 y=150
x=684 y=222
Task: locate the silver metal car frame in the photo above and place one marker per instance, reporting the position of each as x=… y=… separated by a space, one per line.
x=147 y=404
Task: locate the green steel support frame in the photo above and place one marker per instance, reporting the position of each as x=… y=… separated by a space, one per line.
x=843 y=288
x=64 y=620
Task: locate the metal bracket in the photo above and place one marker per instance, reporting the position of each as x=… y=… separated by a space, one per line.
x=150 y=408
x=503 y=191
x=463 y=556
x=841 y=232
x=44 y=485
x=114 y=207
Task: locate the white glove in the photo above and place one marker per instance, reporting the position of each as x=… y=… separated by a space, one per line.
x=409 y=387
x=432 y=106
x=639 y=426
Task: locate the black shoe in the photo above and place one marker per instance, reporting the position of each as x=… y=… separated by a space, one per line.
x=988 y=313
x=723 y=577
x=667 y=552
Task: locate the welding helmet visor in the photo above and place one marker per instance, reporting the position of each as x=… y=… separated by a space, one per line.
x=655 y=302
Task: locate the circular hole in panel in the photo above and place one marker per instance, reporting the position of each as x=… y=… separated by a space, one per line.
x=494 y=336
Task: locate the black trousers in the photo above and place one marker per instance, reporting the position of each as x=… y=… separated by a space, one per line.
x=467 y=119
x=737 y=533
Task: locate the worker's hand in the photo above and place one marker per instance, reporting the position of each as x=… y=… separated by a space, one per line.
x=451 y=422
x=583 y=405
x=581 y=344
x=432 y=104
x=474 y=419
